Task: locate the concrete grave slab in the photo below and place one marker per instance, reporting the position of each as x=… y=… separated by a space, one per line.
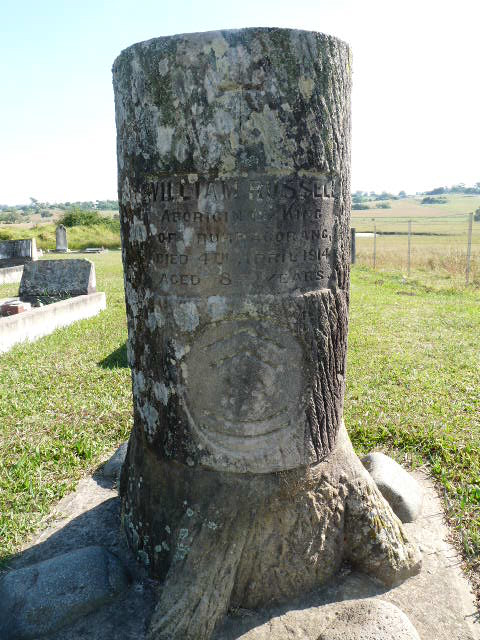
x=10 y=275
x=42 y=321
x=63 y=291
x=17 y=252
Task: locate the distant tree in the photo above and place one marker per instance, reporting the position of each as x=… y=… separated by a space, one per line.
x=360 y=206
x=383 y=205
x=476 y=215
x=109 y=205
x=402 y=194
x=358 y=197
x=386 y=196
x=9 y=217
x=36 y=205
x=75 y=217
x=433 y=200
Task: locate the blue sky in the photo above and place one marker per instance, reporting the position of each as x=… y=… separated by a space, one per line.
x=416 y=98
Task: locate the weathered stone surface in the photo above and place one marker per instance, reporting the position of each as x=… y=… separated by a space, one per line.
x=233 y=164
x=274 y=536
x=37 y=600
x=17 y=252
x=61 y=243
x=235 y=239
x=398 y=487
x=57 y=279
x=352 y=620
x=113 y=466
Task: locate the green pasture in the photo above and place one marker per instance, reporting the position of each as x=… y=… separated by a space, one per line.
x=439 y=240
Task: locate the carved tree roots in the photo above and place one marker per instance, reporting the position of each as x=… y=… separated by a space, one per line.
x=229 y=540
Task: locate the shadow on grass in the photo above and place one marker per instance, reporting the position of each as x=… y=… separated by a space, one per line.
x=116 y=360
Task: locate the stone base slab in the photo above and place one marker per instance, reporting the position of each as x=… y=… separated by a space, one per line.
x=438 y=601
x=42 y=321
x=10 y=275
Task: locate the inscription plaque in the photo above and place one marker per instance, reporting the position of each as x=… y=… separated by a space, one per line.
x=239 y=235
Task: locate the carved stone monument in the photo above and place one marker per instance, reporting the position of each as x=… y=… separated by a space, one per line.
x=61 y=239
x=240 y=486
x=50 y=280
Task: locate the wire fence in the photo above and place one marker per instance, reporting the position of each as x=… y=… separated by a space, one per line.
x=441 y=248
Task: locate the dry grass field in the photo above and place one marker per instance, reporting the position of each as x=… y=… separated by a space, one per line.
x=438 y=240
x=412 y=208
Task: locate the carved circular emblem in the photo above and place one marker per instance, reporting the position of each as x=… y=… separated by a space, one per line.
x=244 y=383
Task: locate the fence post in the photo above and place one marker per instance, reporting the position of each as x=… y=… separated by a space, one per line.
x=352 y=246
x=409 y=246
x=469 y=246
x=374 y=246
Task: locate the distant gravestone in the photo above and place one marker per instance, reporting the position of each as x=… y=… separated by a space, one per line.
x=61 y=239
x=49 y=280
x=240 y=486
x=17 y=252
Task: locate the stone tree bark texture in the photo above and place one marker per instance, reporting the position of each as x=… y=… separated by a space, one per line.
x=240 y=486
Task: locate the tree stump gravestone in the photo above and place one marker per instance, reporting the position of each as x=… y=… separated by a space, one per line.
x=240 y=485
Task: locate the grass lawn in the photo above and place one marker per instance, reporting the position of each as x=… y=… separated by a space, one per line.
x=413 y=389
x=413 y=385
x=62 y=408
